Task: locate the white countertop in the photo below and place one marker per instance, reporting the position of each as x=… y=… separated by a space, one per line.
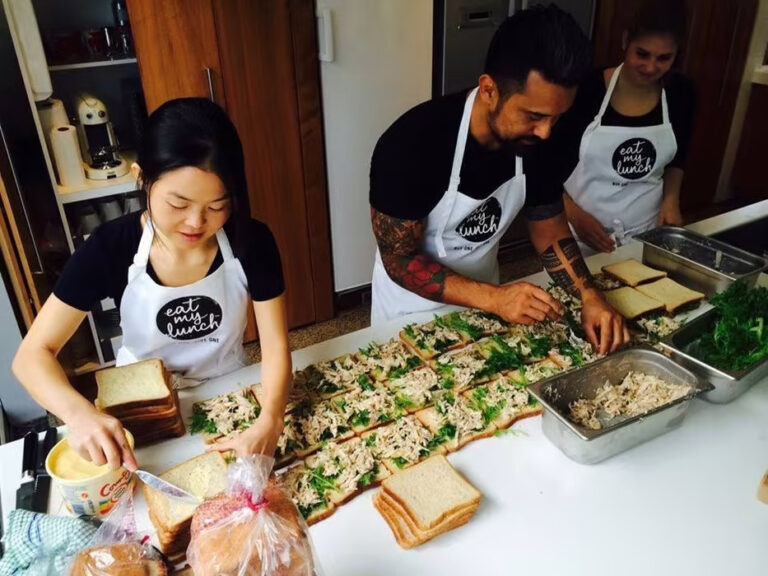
x=684 y=503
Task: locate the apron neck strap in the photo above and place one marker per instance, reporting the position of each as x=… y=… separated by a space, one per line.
x=461 y=141
x=142 y=254
x=664 y=108
x=612 y=87
x=609 y=90
x=224 y=246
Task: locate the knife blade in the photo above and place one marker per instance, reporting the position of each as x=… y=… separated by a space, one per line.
x=170 y=490
x=26 y=491
x=43 y=480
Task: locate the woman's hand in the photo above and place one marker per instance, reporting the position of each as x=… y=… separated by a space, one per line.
x=260 y=438
x=100 y=438
x=587 y=227
x=670 y=215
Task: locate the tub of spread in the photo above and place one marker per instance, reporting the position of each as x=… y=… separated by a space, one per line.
x=87 y=488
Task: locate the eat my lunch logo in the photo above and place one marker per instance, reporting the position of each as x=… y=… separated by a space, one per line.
x=189 y=317
x=634 y=158
x=482 y=223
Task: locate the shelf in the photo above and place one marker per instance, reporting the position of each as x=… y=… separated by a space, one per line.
x=93 y=64
x=91 y=367
x=760 y=75
x=94 y=189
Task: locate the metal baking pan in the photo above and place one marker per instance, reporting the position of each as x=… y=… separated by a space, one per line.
x=728 y=384
x=699 y=262
x=588 y=446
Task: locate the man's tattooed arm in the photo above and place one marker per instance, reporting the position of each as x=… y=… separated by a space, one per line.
x=400 y=247
x=565 y=265
x=560 y=254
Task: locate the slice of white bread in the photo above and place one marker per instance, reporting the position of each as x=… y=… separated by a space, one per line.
x=404 y=535
x=133 y=385
x=672 y=294
x=430 y=491
x=632 y=272
x=402 y=514
x=204 y=476
x=630 y=303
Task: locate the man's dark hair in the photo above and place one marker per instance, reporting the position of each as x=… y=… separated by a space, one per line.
x=662 y=17
x=541 y=38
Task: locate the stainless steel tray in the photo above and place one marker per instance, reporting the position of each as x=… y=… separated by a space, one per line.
x=728 y=384
x=699 y=262
x=588 y=446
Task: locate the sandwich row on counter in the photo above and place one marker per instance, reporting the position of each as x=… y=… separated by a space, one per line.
x=367 y=417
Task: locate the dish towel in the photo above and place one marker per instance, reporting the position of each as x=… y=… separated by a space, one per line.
x=40 y=544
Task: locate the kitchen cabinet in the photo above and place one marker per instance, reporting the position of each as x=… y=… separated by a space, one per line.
x=258 y=60
x=713 y=58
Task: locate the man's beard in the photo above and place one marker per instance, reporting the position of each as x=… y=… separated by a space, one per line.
x=519 y=146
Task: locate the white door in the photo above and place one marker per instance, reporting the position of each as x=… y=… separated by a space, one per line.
x=378 y=64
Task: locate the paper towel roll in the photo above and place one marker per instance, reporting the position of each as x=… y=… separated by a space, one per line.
x=52 y=115
x=31 y=48
x=66 y=153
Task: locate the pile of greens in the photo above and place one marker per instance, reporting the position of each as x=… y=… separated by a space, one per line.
x=739 y=337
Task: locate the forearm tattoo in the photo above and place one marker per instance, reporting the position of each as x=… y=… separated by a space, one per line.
x=399 y=243
x=565 y=265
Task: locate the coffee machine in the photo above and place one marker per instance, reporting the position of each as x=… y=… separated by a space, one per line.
x=98 y=141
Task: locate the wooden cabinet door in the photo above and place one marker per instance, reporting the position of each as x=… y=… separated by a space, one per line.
x=263 y=55
x=176 y=49
x=270 y=69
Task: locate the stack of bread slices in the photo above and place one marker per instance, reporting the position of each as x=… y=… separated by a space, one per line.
x=426 y=500
x=205 y=476
x=140 y=395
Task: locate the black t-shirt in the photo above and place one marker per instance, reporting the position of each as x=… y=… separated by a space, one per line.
x=681 y=102
x=99 y=268
x=411 y=165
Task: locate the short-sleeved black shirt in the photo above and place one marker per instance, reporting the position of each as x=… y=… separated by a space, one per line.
x=411 y=165
x=681 y=103
x=99 y=268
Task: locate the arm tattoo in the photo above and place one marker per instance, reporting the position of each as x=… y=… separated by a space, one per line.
x=400 y=247
x=565 y=265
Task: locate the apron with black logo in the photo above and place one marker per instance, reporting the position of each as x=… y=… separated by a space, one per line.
x=196 y=329
x=620 y=175
x=461 y=233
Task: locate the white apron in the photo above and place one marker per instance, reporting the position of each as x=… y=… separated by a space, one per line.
x=196 y=329
x=461 y=233
x=620 y=175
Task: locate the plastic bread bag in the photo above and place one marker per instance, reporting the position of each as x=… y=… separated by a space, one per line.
x=252 y=529
x=117 y=548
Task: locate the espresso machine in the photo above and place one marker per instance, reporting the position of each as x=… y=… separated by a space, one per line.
x=98 y=141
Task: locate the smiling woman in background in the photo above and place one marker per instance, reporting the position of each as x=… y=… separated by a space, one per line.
x=631 y=125
x=183 y=274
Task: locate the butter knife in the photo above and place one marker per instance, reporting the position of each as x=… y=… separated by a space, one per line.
x=170 y=490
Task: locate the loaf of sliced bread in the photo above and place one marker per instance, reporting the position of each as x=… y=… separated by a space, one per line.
x=132 y=386
x=431 y=491
x=204 y=476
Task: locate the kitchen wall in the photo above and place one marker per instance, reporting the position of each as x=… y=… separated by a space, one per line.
x=18 y=405
x=381 y=67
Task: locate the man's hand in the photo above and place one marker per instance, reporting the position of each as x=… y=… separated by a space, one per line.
x=604 y=326
x=590 y=231
x=524 y=303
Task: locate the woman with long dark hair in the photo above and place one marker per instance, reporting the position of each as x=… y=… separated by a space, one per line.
x=183 y=274
x=633 y=124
